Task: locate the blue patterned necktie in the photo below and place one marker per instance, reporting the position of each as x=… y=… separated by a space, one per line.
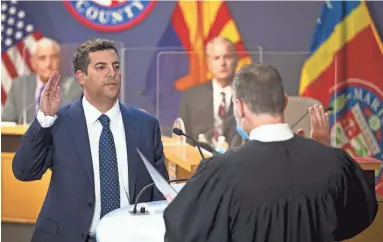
x=109 y=184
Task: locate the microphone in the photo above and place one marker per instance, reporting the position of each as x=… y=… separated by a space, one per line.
x=23 y=115
x=179 y=132
x=142 y=209
x=327 y=109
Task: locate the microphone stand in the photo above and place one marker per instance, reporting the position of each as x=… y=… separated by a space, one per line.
x=300 y=119
x=327 y=109
x=142 y=209
x=179 y=132
x=196 y=143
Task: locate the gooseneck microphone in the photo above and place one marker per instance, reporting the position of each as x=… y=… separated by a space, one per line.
x=142 y=209
x=179 y=132
x=327 y=109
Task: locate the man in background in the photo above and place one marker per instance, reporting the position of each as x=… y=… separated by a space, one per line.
x=278 y=186
x=24 y=96
x=207 y=108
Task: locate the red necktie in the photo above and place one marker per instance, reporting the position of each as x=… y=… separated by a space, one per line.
x=222 y=107
x=222 y=115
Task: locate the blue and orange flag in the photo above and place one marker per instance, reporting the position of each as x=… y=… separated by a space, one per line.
x=345 y=70
x=180 y=60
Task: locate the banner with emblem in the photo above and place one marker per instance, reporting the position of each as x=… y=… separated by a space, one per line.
x=109 y=15
x=345 y=70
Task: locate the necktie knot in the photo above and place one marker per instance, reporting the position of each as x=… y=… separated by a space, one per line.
x=104 y=120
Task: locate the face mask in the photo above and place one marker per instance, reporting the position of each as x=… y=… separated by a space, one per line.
x=241 y=132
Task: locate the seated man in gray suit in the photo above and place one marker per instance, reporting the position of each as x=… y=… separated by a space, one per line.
x=207 y=108
x=24 y=96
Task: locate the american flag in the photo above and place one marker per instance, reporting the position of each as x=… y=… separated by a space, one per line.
x=18 y=34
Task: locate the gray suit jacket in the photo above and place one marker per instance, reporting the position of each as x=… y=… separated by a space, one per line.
x=197 y=111
x=20 y=106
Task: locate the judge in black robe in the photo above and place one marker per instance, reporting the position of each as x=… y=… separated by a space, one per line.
x=278 y=187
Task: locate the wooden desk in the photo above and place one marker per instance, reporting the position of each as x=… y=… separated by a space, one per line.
x=182 y=160
x=21 y=201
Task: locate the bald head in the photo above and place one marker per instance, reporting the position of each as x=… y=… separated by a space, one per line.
x=221 y=59
x=45 y=59
x=44 y=43
x=220 y=41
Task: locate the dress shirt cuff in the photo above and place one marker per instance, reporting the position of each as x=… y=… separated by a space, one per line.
x=45 y=121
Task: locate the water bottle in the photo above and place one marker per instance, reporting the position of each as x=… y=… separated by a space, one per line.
x=222 y=145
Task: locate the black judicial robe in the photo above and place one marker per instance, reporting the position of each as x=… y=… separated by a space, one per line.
x=287 y=191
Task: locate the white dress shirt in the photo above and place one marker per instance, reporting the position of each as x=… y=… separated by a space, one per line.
x=94 y=132
x=272 y=133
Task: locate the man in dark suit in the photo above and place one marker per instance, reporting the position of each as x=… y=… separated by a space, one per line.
x=90 y=147
x=24 y=96
x=276 y=187
x=207 y=108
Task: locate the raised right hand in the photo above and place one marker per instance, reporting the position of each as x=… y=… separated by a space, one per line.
x=320 y=130
x=50 y=97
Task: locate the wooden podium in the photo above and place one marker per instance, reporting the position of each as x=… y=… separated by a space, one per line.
x=21 y=201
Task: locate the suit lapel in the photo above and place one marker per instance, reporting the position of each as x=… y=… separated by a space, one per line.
x=229 y=128
x=132 y=142
x=79 y=132
x=210 y=107
x=228 y=125
x=30 y=104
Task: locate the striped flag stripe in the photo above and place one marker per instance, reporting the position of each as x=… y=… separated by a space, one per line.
x=16 y=62
x=6 y=80
x=9 y=65
x=223 y=16
x=20 y=65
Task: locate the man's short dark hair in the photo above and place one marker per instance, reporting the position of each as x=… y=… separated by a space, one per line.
x=81 y=57
x=260 y=87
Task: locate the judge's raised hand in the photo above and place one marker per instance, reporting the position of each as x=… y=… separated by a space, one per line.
x=319 y=125
x=50 y=97
x=320 y=130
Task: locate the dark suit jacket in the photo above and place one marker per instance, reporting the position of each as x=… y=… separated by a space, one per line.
x=21 y=100
x=68 y=208
x=197 y=111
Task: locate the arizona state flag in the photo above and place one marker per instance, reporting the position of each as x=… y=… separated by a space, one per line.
x=196 y=23
x=180 y=59
x=345 y=70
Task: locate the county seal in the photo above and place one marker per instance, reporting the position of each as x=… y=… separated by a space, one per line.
x=356 y=124
x=109 y=15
